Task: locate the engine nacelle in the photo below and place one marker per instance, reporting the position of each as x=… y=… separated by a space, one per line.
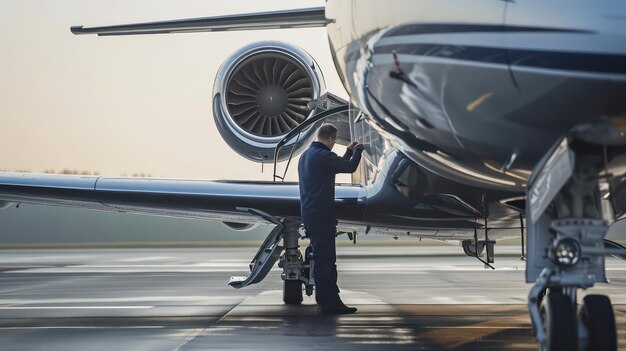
x=261 y=93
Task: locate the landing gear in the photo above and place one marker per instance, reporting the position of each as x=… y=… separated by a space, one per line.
x=292 y=264
x=292 y=292
x=566 y=228
x=596 y=315
x=559 y=322
x=296 y=271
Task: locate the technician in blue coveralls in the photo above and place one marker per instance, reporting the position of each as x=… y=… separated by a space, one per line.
x=317 y=168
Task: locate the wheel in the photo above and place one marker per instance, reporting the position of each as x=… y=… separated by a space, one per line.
x=596 y=313
x=559 y=322
x=292 y=292
x=547 y=291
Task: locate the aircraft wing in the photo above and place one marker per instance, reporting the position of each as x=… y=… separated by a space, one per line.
x=221 y=200
x=299 y=18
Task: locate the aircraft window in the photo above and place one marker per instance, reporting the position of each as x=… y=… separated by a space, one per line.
x=373 y=142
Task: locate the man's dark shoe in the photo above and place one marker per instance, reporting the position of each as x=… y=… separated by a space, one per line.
x=334 y=310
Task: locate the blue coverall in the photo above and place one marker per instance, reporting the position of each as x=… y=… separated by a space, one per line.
x=317 y=169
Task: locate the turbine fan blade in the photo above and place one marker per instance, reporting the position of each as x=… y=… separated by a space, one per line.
x=264 y=74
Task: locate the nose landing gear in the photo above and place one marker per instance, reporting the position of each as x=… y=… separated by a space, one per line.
x=559 y=322
x=597 y=317
x=566 y=229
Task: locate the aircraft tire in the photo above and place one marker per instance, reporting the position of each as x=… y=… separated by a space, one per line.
x=596 y=313
x=292 y=292
x=559 y=322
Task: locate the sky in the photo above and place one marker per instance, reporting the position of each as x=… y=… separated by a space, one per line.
x=126 y=105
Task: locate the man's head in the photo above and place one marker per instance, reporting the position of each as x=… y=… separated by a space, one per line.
x=327 y=135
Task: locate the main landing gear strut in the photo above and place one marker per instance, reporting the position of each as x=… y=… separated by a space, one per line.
x=566 y=229
x=296 y=269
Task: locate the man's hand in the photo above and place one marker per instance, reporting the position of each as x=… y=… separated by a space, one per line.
x=352 y=145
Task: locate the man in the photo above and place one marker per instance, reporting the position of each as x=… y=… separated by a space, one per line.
x=317 y=168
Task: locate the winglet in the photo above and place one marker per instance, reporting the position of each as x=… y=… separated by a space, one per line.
x=77 y=30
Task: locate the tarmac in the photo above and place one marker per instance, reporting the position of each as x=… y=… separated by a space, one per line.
x=409 y=298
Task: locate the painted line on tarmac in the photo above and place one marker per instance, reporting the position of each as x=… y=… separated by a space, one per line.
x=86 y=327
x=73 y=307
x=475 y=327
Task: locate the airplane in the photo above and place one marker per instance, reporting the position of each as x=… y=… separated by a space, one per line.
x=481 y=120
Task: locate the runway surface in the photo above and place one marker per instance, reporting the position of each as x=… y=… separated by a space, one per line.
x=409 y=298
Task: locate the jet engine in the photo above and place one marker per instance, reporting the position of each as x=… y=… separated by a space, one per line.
x=261 y=93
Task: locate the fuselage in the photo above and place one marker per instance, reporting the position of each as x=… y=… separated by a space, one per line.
x=478 y=91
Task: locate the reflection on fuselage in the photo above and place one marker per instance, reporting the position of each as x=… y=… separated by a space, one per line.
x=478 y=91
x=419 y=202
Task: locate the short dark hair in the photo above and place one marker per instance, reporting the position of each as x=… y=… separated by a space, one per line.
x=327 y=131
